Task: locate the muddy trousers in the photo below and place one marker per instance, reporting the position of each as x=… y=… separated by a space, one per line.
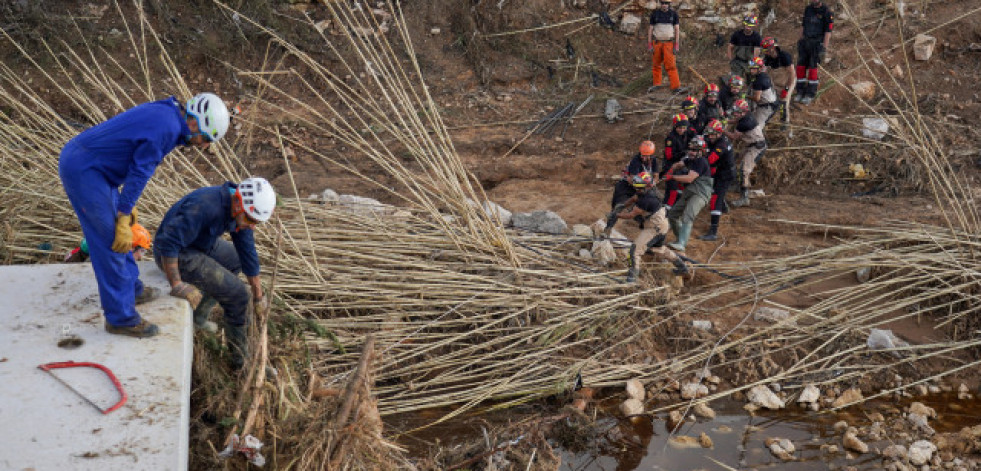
x=94 y=200
x=651 y=238
x=752 y=155
x=664 y=54
x=682 y=216
x=215 y=273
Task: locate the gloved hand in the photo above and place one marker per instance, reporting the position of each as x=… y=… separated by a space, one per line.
x=261 y=304
x=123 y=242
x=133 y=215
x=189 y=292
x=783 y=94
x=822 y=54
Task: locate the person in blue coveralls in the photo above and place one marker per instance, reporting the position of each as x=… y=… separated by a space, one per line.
x=124 y=152
x=203 y=268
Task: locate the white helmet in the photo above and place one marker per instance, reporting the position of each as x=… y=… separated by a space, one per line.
x=258 y=198
x=211 y=114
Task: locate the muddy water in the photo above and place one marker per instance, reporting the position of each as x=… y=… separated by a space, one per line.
x=738 y=438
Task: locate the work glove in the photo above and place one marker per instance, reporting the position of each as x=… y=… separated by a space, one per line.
x=188 y=292
x=822 y=54
x=783 y=93
x=123 y=243
x=261 y=304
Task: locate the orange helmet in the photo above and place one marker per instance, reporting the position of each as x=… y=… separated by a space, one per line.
x=141 y=237
x=689 y=103
x=647 y=148
x=711 y=89
x=756 y=63
x=679 y=120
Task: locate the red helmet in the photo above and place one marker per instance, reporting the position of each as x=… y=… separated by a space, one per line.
x=736 y=82
x=714 y=127
x=642 y=180
x=740 y=105
x=679 y=120
x=647 y=148
x=697 y=143
x=756 y=63
x=711 y=89
x=750 y=21
x=689 y=103
x=768 y=42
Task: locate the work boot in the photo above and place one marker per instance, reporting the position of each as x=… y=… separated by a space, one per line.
x=148 y=294
x=743 y=199
x=712 y=234
x=237 y=339
x=203 y=312
x=141 y=331
x=632 y=275
x=680 y=267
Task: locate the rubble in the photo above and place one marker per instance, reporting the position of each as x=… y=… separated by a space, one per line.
x=921 y=451
x=762 y=396
x=540 y=221
x=781 y=448
x=848 y=397
x=809 y=395
x=923 y=46
x=635 y=389
x=851 y=442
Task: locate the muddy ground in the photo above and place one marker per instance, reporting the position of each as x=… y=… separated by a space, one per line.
x=490 y=90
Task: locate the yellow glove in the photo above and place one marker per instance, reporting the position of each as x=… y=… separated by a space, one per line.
x=189 y=292
x=123 y=242
x=133 y=214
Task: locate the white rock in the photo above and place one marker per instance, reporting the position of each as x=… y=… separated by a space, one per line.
x=773 y=315
x=702 y=325
x=923 y=47
x=582 y=230
x=781 y=448
x=919 y=408
x=635 y=389
x=693 y=390
x=810 y=394
x=762 y=396
x=895 y=451
x=630 y=23
x=863 y=274
x=330 y=196
x=875 y=128
x=851 y=442
x=631 y=407
x=921 y=451
x=435 y=31
x=920 y=423
x=603 y=252
x=864 y=90
x=494 y=210
x=540 y=221
x=585 y=254
x=361 y=205
x=703 y=410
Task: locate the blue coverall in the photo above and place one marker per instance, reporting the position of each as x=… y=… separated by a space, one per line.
x=191 y=232
x=125 y=150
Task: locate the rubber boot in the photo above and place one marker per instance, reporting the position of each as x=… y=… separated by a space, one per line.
x=201 y=314
x=680 y=267
x=237 y=337
x=675 y=227
x=632 y=275
x=712 y=234
x=684 y=233
x=743 y=199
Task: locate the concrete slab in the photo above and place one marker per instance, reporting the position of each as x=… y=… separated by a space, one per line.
x=43 y=424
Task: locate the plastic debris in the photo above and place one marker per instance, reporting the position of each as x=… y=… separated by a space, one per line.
x=248 y=447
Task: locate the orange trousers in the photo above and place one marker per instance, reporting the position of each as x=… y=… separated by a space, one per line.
x=664 y=54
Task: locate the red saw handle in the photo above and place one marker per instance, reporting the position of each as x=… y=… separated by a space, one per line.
x=85 y=364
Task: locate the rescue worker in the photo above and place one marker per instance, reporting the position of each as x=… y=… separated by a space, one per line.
x=730 y=91
x=203 y=268
x=695 y=174
x=647 y=210
x=643 y=161
x=689 y=106
x=721 y=161
x=779 y=64
x=743 y=46
x=749 y=131
x=710 y=108
x=761 y=92
x=815 y=35
x=141 y=244
x=675 y=146
x=124 y=152
x=664 y=41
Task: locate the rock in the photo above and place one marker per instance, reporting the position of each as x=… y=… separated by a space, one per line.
x=898 y=71
x=631 y=407
x=361 y=205
x=884 y=339
x=612 y=111
x=863 y=274
x=494 y=210
x=330 y=196
x=702 y=325
x=919 y=408
x=934 y=389
x=875 y=128
x=841 y=426
x=923 y=47
x=864 y=90
x=585 y=254
x=781 y=448
x=674 y=419
x=582 y=230
x=897 y=452
x=435 y=31
x=693 y=390
x=848 y=397
x=703 y=410
x=635 y=389
x=875 y=432
x=809 y=395
x=705 y=441
x=579 y=403
x=921 y=451
x=630 y=23
x=603 y=252
x=684 y=441
x=920 y=422
x=921 y=390
x=540 y=221
x=851 y=442
x=762 y=396
x=773 y=315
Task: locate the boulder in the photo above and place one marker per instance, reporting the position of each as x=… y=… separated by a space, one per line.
x=923 y=47
x=781 y=448
x=582 y=230
x=762 y=396
x=848 y=397
x=603 y=252
x=851 y=442
x=494 y=210
x=630 y=23
x=540 y=221
x=693 y=390
x=635 y=389
x=631 y=407
x=864 y=90
x=809 y=395
x=921 y=451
